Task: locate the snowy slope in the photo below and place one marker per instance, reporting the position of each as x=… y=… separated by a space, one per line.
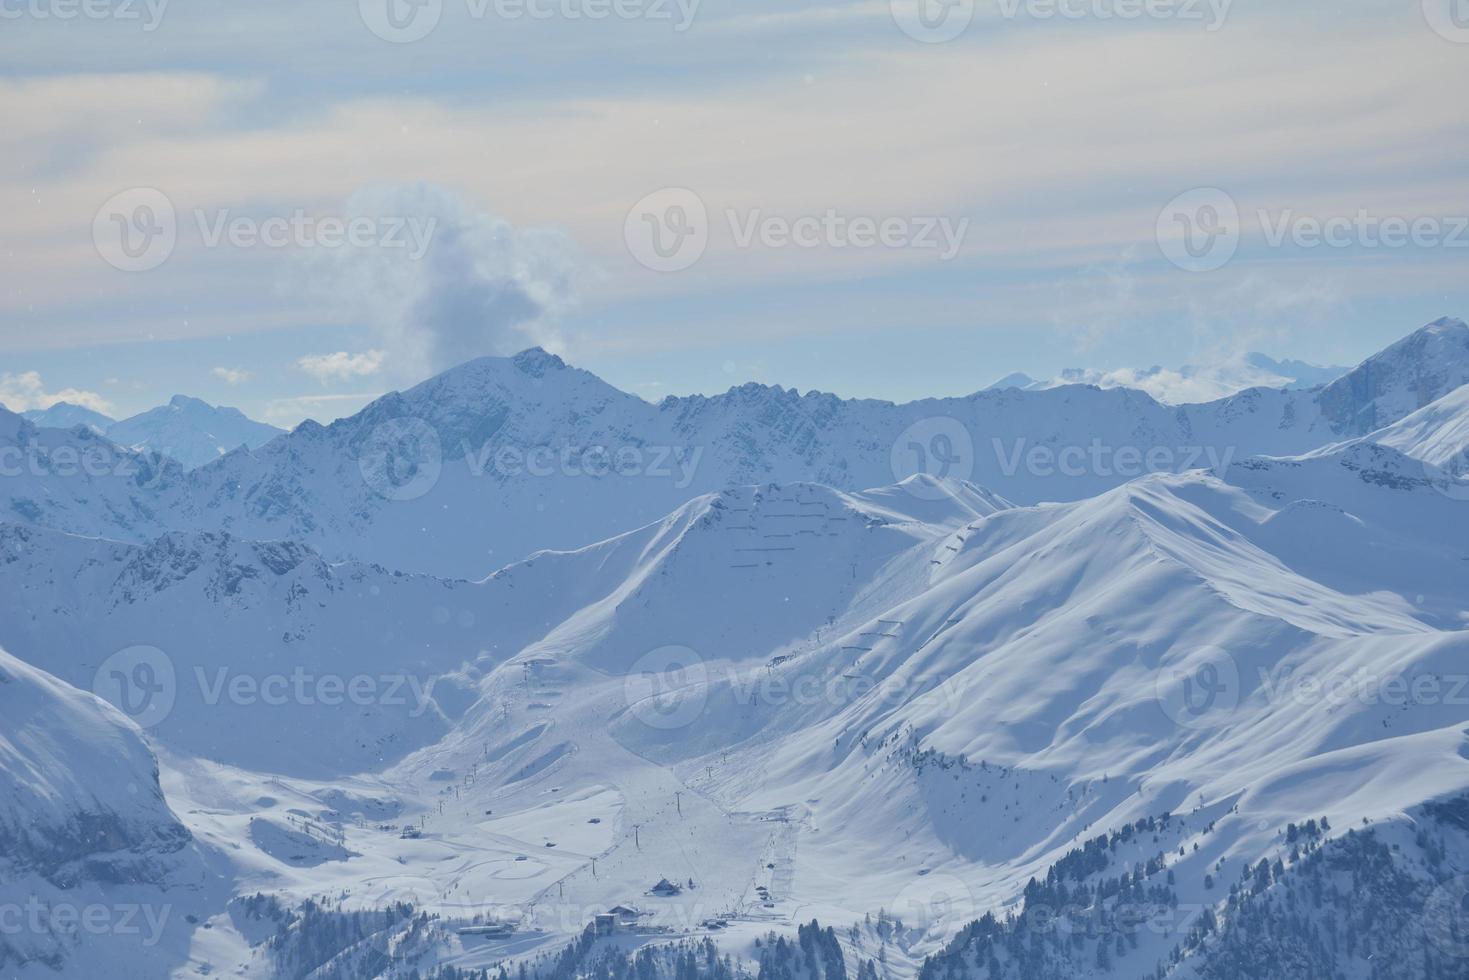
x=1437 y=433
x=96 y=871
x=816 y=703
x=1407 y=376
x=76 y=781
x=270 y=657
x=221 y=611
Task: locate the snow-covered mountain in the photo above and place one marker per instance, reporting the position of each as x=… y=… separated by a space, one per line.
x=1191 y=383
x=64 y=415
x=806 y=702
x=1411 y=374
x=1438 y=433
x=90 y=851
x=76 y=480
x=436 y=686
x=191 y=431
x=501 y=456
x=77 y=783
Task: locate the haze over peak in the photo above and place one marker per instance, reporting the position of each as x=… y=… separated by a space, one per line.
x=1191 y=383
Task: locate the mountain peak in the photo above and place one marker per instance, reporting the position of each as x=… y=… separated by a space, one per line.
x=1397 y=381
x=1445 y=325
x=1018 y=379
x=536 y=361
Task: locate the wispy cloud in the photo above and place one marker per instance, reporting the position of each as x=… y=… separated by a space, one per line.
x=482 y=287
x=322 y=408
x=230 y=376
x=341 y=365
x=24 y=391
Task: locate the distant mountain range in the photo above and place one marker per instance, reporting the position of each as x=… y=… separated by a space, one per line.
x=1189 y=384
x=499 y=457
x=187 y=429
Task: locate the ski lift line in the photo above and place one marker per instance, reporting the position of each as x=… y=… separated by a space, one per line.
x=765 y=549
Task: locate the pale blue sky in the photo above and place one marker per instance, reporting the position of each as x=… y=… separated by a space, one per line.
x=1057 y=144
